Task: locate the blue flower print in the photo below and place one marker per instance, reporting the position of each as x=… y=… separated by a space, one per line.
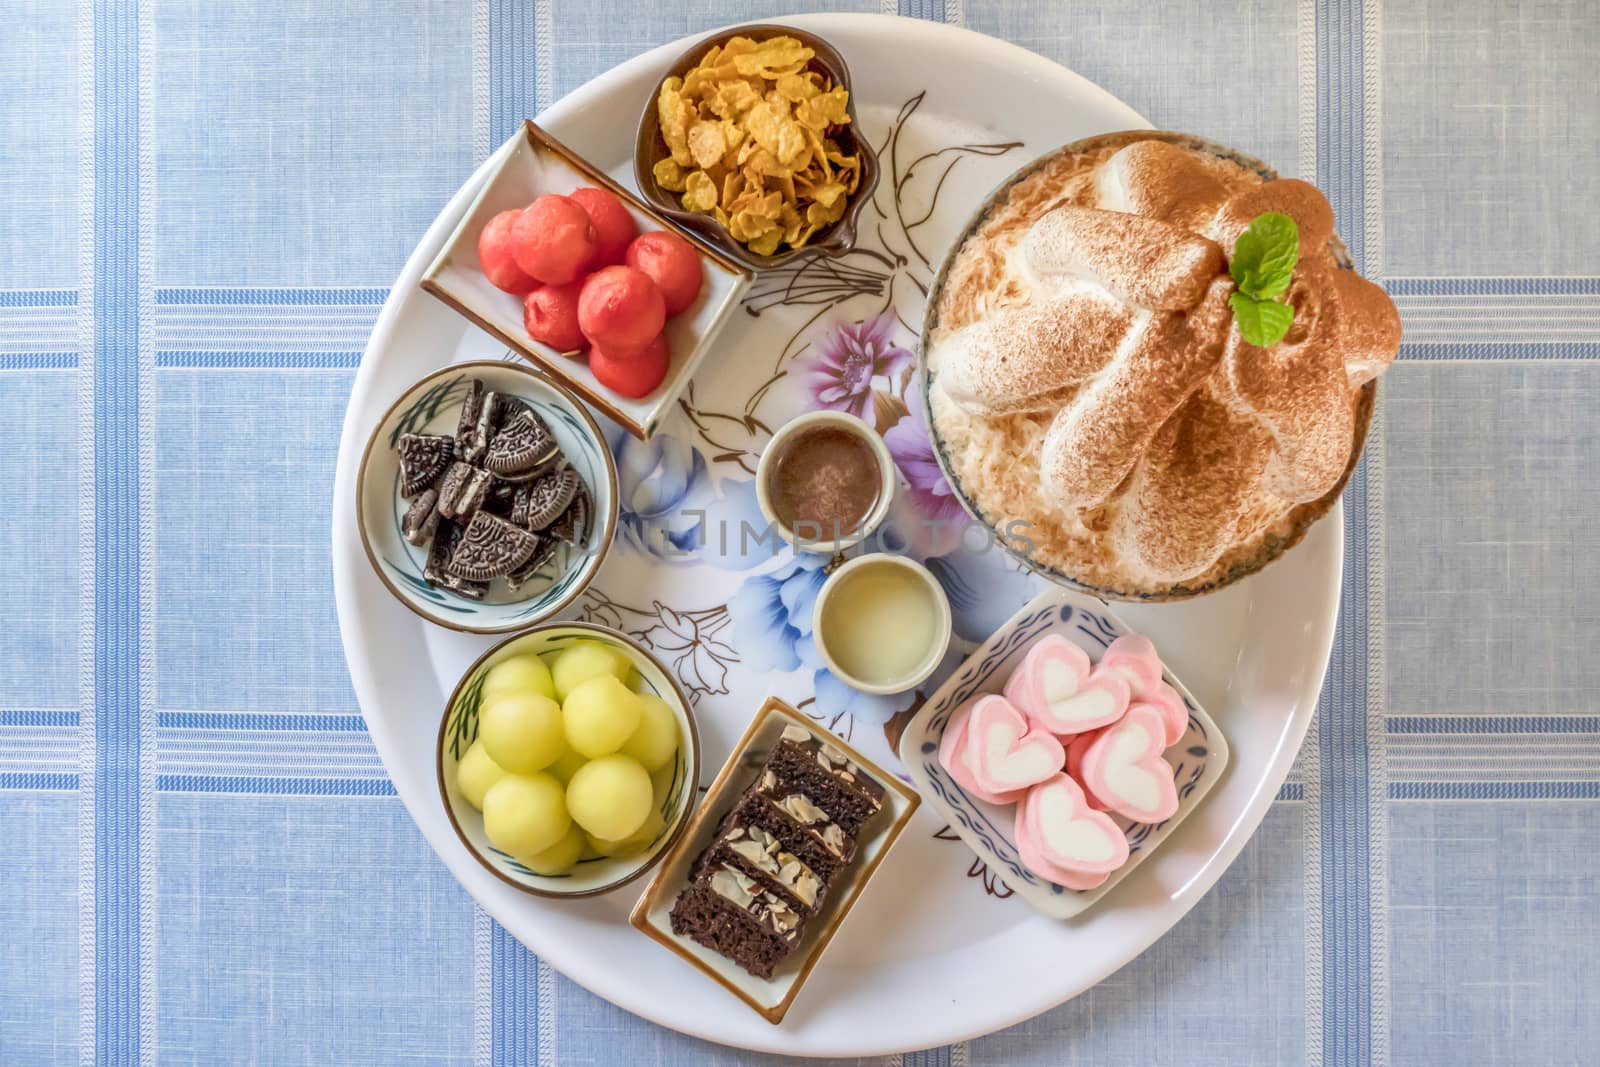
x=735 y=535
x=772 y=630
x=772 y=615
x=834 y=698
x=985 y=588
x=663 y=488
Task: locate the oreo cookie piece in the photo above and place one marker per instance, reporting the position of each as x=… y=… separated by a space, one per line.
x=502 y=497
x=544 y=501
x=530 y=570
x=484 y=432
x=477 y=424
x=532 y=474
x=423 y=458
x=471 y=409
x=463 y=588
x=421 y=519
x=573 y=525
x=491 y=548
x=469 y=590
x=461 y=496
x=445 y=536
x=522 y=443
x=507 y=407
x=445 y=540
x=473 y=495
x=451 y=486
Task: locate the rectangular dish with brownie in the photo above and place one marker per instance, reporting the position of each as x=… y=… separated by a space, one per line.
x=780 y=850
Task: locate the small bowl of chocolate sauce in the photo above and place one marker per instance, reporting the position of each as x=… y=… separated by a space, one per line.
x=825 y=481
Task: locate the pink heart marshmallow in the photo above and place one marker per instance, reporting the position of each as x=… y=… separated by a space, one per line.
x=1056 y=824
x=1075 y=750
x=1124 y=768
x=1134 y=658
x=1003 y=752
x=1061 y=876
x=1174 y=713
x=1062 y=692
x=953 y=758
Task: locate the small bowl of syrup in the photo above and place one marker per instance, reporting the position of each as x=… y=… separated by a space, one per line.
x=825 y=481
x=882 y=623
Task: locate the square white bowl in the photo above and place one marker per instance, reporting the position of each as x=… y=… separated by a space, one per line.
x=1198 y=758
x=530 y=164
x=773 y=996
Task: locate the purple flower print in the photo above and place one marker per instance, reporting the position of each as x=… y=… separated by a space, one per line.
x=912 y=450
x=849 y=356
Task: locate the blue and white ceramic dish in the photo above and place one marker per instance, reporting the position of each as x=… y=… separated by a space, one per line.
x=677 y=786
x=433 y=405
x=1198 y=759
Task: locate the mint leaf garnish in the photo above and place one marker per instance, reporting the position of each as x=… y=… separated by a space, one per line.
x=1265 y=255
x=1262 y=267
x=1261 y=322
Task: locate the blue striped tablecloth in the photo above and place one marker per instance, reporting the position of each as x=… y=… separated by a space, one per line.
x=203 y=203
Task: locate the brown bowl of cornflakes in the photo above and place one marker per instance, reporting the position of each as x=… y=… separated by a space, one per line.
x=751 y=140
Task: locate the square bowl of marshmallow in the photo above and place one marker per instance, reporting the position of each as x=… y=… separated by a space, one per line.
x=1063 y=752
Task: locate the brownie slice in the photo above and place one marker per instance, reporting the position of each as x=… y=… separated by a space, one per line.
x=762 y=857
x=816 y=769
x=729 y=913
x=773 y=858
x=805 y=830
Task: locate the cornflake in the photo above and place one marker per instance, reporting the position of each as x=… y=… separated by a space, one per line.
x=747 y=130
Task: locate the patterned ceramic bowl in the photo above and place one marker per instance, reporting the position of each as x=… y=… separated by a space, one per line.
x=1198 y=759
x=433 y=405
x=459 y=729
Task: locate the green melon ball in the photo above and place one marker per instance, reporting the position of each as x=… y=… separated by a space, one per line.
x=635 y=842
x=604 y=849
x=582 y=660
x=656 y=739
x=475 y=773
x=522 y=731
x=524 y=814
x=567 y=765
x=661 y=783
x=610 y=797
x=560 y=857
x=599 y=715
x=524 y=673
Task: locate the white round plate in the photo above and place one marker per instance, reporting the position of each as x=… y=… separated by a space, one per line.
x=933 y=953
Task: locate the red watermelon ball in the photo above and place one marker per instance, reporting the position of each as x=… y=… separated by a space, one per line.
x=670 y=262
x=620 y=308
x=612 y=222
x=633 y=373
x=553 y=239
x=496 y=258
x=550 y=315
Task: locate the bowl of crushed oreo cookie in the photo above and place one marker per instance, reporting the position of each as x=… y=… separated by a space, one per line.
x=487 y=497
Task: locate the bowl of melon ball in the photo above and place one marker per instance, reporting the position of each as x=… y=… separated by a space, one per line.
x=568 y=760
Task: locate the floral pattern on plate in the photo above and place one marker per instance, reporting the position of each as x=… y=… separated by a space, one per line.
x=687 y=500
